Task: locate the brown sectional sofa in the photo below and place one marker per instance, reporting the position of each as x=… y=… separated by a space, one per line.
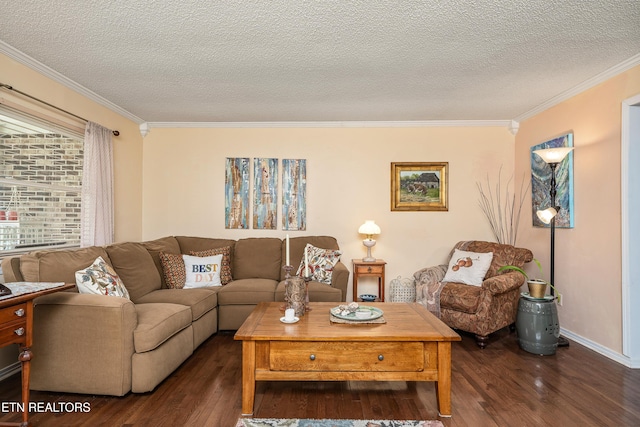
x=98 y=344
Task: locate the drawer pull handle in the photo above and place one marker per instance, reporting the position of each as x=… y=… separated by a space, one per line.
x=19 y=312
x=19 y=332
x=369 y=271
x=380 y=357
x=312 y=357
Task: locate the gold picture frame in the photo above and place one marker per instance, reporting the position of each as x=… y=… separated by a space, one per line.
x=419 y=186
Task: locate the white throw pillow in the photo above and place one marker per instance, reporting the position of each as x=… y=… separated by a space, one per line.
x=468 y=267
x=100 y=279
x=202 y=271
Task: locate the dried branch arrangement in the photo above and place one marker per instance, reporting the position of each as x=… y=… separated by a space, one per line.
x=502 y=212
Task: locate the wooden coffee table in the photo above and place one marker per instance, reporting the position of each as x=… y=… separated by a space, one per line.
x=413 y=345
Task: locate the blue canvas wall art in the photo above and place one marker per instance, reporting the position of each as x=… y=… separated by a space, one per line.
x=541 y=180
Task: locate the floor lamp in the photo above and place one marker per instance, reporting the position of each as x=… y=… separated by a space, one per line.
x=553 y=157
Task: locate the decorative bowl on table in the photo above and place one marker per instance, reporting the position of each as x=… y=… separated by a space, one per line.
x=368 y=297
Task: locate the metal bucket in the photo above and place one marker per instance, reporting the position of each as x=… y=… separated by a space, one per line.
x=537 y=326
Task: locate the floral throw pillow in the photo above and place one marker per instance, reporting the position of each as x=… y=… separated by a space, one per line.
x=321 y=263
x=225 y=268
x=468 y=267
x=100 y=279
x=173 y=269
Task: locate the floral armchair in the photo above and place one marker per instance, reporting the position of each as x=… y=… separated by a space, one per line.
x=481 y=309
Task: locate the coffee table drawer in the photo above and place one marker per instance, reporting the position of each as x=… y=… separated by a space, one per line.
x=342 y=356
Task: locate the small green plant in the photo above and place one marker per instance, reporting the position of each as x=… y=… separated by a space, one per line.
x=524 y=273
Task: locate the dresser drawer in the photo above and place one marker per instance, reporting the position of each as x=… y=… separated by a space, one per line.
x=369 y=269
x=346 y=356
x=15 y=312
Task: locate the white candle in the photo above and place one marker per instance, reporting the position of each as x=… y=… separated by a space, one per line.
x=306 y=263
x=288 y=260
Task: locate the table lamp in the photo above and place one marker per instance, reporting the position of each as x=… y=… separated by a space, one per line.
x=369 y=228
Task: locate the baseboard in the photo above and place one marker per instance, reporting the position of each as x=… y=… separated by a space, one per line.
x=10 y=370
x=607 y=352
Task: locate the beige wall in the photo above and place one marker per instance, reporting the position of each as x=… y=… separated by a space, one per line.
x=348 y=182
x=127 y=146
x=588 y=257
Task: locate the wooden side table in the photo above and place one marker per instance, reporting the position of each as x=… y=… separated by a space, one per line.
x=368 y=269
x=16 y=327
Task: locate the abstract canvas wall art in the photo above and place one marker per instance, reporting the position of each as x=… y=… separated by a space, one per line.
x=294 y=194
x=236 y=193
x=265 y=197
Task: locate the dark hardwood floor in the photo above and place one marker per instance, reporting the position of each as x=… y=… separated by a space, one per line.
x=501 y=385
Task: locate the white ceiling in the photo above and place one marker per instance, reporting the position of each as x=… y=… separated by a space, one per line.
x=334 y=60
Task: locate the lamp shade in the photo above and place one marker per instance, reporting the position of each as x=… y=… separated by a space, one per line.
x=553 y=155
x=548 y=214
x=369 y=228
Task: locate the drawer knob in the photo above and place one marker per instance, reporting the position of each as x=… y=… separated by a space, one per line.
x=369 y=270
x=19 y=312
x=19 y=332
x=380 y=357
x=312 y=357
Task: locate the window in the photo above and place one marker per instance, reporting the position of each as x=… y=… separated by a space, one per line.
x=40 y=183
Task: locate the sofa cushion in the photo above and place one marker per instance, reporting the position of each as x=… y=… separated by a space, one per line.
x=197 y=244
x=297 y=245
x=461 y=297
x=257 y=258
x=157 y=323
x=247 y=291
x=200 y=301
x=100 y=279
x=136 y=268
x=154 y=247
x=59 y=266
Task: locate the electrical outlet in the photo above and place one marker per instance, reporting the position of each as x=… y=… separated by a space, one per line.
x=560 y=299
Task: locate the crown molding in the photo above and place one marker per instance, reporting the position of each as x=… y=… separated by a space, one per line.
x=587 y=84
x=337 y=124
x=24 y=59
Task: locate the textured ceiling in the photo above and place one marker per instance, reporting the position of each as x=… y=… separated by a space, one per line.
x=289 y=60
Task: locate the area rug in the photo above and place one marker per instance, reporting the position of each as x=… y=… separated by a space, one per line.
x=282 y=422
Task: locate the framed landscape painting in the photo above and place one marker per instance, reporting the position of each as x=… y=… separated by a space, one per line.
x=419 y=186
x=541 y=179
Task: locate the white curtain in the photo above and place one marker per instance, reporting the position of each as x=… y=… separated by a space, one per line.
x=97 y=187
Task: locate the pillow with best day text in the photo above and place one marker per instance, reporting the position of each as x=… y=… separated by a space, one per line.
x=100 y=279
x=468 y=267
x=202 y=271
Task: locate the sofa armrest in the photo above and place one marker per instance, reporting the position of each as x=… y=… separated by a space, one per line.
x=83 y=343
x=340 y=278
x=503 y=282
